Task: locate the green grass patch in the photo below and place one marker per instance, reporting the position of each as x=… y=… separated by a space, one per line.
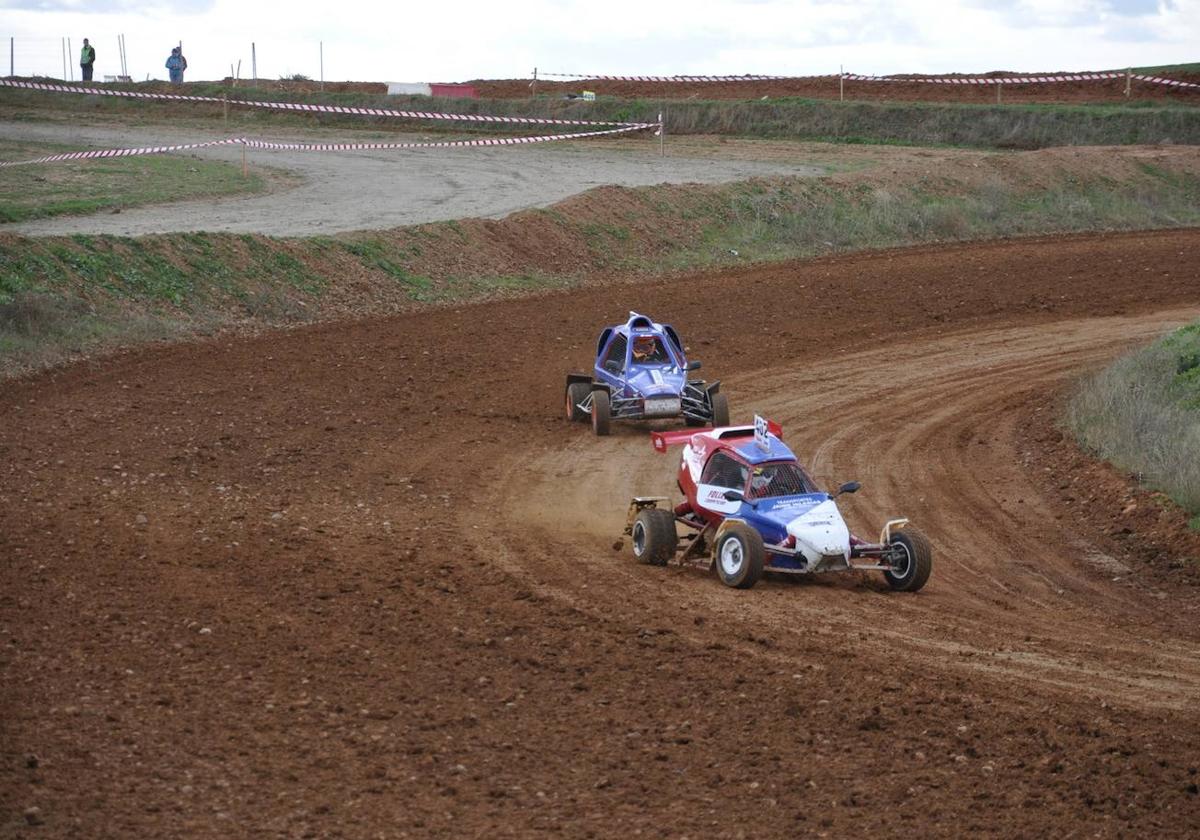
x=111 y=184
x=189 y=279
x=1143 y=414
x=1168 y=69
x=1018 y=126
x=803 y=218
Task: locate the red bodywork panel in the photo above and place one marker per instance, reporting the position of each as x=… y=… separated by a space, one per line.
x=663 y=440
x=700 y=445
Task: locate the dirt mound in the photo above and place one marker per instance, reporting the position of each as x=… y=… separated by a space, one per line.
x=898 y=90
x=273 y=585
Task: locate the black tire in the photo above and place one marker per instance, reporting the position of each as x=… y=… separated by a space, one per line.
x=695 y=389
x=654 y=537
x=739 y=556
x=720 y=410
x=576 y=393
x=601 y=412
x=912 y=574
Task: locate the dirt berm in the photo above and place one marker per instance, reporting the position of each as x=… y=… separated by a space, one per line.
x=356 y=580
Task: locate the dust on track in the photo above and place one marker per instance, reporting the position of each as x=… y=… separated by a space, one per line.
x=289 y=584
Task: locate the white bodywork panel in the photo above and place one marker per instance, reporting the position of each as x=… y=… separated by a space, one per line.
x=821 y=533
x=711 y=497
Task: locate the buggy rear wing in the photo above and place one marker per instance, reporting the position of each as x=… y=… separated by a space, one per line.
x=663 y=440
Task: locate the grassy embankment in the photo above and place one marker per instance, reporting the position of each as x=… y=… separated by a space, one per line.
x=61 y=296
x=1018 y=126
x=109 y=184
x=1143 y=414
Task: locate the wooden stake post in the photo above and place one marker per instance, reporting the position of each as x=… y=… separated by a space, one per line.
x=1128 y=80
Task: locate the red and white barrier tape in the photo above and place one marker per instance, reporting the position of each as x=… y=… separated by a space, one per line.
x=321 y=147
x=444 y=144
x=855 y=77
x=114 y=153
x=303 y=106
x=745 y=78
x=1159 y=80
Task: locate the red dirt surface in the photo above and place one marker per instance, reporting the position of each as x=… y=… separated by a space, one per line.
x=1111 y=90
x=356 y=580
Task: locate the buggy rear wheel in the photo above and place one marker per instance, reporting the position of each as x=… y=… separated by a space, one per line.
x=915 y=561
x=739 y=556
x=654 y=537
x=601 y=412
x=720 y=410
x=577 y=392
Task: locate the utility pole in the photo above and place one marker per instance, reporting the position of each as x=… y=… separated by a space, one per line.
x=322 y=66
x=254 y=63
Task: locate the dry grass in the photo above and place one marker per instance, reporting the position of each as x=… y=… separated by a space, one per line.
x=1143 y=414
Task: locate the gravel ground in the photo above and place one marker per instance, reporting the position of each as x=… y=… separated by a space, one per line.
x=384 y=189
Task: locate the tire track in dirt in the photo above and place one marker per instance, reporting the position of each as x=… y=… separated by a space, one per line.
x=389 y=649
x=931 y=436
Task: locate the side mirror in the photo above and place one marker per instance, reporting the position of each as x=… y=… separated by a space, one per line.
x=848 y=487
x=692 y=366
x=734 y=496
x=612 y=366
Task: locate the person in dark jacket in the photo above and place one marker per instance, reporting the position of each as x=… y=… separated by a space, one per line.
x=176 y=64
x=87 y=58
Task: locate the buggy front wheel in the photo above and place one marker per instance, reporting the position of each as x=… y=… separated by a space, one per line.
x=601 y=412
x=739 y=556
x=912 y=560
x=720 y=410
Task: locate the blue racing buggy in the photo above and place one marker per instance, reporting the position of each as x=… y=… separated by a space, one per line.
x=641 y=373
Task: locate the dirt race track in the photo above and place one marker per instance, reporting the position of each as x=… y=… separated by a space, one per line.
x=358 y=580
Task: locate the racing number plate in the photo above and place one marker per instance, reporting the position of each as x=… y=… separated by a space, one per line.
x=657 y=406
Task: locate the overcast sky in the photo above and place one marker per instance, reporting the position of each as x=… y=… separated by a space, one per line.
x=371 y=40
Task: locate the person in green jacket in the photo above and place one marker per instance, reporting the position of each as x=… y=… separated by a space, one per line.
x=87 y=58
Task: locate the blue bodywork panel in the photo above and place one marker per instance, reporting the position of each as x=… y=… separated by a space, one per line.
x=663 y=377
x=771 y=516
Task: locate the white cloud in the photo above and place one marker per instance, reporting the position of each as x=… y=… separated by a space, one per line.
x=371 y=40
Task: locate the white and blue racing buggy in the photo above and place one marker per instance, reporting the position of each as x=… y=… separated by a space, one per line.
x=642 y=373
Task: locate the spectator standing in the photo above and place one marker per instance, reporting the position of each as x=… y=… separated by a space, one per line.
x=176 y=64
x=87 y=58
